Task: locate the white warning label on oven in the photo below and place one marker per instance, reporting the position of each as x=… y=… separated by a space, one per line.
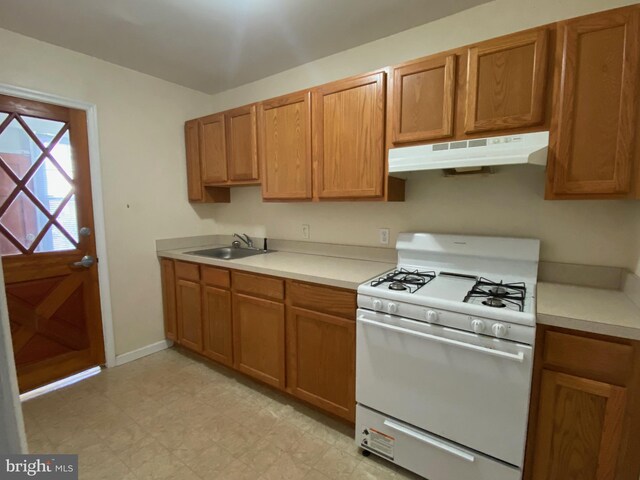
x=381 y=442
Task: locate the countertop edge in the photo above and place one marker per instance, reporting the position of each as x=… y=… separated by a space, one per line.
x=333 y=282
x=589 y=326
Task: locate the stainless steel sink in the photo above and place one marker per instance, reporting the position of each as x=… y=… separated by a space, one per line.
x=228 y=253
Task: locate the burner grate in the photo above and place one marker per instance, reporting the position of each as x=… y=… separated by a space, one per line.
x=405 y=280
x=498 y=294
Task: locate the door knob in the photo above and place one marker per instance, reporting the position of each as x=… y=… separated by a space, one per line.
x=85 y=262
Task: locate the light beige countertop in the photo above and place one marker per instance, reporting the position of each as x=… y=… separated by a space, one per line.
x=323 y=269
x=596 y=310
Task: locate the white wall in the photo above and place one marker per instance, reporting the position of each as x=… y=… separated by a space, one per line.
x=508 y=203
x=142 y=153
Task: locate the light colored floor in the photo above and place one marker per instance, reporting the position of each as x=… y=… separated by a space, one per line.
x=172 y=416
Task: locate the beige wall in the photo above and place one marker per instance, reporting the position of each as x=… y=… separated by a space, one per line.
x=507 y=203
x=142 y=154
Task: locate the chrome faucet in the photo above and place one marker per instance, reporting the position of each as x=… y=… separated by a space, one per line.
x=245 y=238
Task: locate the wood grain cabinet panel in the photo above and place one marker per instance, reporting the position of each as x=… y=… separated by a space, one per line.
x=217 y=326
x=321 y=350
x=258 y=285
x=422 y=97
x=579 y=428
x=284 y=131
x=595 y=106
x=348 y=138
x=242 y=144
x=194 y=174
x=189 y=314
x=259 y=338
x=213 y=149
x=167 y=272
x=506 y=82
x=331 y=300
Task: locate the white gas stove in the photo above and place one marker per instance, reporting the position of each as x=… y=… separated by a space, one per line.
x=444 y=356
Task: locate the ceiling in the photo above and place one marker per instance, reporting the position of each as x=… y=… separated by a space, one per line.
x=214 y=45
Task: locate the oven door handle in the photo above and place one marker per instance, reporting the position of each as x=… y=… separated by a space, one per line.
x=434 y=442
x=519 y=357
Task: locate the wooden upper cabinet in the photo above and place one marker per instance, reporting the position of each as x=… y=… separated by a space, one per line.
x=284 y=131
x=422 y=100
x=506 y=80
x=242 y=144
x=213 y=150
x=348 y=137
x=194 y=174
x=595 y=106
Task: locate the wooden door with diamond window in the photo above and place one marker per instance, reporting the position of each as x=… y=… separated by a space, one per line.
x=47 y=242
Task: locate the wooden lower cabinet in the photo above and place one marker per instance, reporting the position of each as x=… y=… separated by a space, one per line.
x=297 y=337
x=168 y=276
x=259 y=336
x=216 y=325
x=321 y=360
x=585 y=408
x=189 y=313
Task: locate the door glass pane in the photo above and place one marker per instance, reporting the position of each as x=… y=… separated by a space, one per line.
x=53 y=241
x=17 y=148
x=23 y=220
x=3 y=116
x=45 y=130
x=50 y=184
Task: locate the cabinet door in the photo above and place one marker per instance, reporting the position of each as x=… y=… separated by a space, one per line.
x=192 y=144
x=218 y=335
x=189 y=314
x=579 y=428
x=506 y=82
x=259 y=338
x=321 y=350
x=348 y=133
x=213 y=151
x=593 y=124
x=242 y=142
x=284 y=130
x=422 y=100
x=167 y=273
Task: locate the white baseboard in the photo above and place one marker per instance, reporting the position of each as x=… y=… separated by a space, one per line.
x=142 y=352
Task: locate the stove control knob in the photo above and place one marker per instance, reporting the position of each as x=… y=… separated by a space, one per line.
x=499 y=330
x=477 y=325
x=377 y=304
x=432 y=316
x=392 y=307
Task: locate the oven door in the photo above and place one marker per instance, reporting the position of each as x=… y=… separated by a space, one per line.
x=468 y=388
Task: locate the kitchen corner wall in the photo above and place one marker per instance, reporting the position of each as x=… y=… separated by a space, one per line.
x=140 y=121
x=509 y=202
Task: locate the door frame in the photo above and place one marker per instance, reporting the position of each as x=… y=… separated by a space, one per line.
x=91 y=110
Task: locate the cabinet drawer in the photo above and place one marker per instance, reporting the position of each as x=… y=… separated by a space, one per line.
x=216 y=277
x=603 y=360
x=188 y=271
x=258 y=285
x=323 y=299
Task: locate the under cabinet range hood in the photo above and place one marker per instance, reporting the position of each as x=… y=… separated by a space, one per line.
x=470 y=155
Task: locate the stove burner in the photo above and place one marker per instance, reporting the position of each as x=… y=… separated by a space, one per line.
x=498 y=294
x=494 y=302
x=497 y=290
x=401 y=280
x=396 y=285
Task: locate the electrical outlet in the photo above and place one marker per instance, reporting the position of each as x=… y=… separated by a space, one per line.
x=306 y=231
x=383 y=236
